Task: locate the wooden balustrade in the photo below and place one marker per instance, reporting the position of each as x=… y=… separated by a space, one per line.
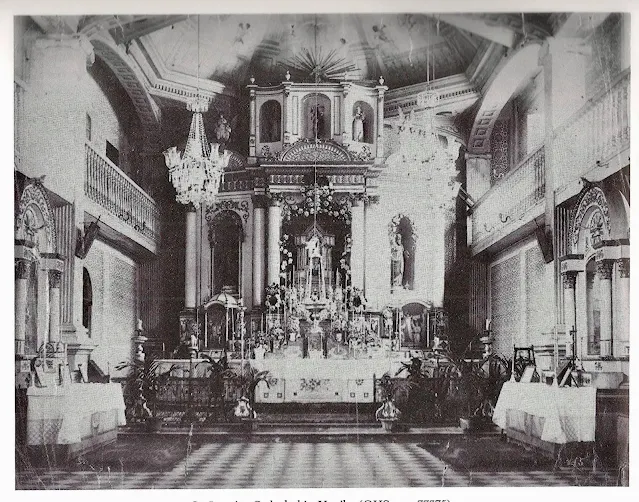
x=109 y=187
x=597 y=132
x=512 y=197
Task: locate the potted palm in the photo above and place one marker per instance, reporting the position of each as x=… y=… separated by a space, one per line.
x=217 y=373
x=142 y=386
x=391 y=388
x=247 y=380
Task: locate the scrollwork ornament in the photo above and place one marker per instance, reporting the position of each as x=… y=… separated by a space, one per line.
x=623 y=265
x=604 y=269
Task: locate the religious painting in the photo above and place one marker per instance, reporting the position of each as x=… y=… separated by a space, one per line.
x=226 y=236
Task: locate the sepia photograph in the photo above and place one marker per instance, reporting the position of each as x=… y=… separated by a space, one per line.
x=321 y=249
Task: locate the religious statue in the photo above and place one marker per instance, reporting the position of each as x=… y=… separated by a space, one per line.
x=317 y=122
x=358 y=125
x=222 y=130
x=397 y=261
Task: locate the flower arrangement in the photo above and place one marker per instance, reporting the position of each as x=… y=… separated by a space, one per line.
x=274 y=298
x=318 y=199
x=286 y=255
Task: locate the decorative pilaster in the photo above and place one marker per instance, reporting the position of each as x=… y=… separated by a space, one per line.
x=55 y=279
x=569 y=281
x=252 y=119
x=274 y=229
x=604 y=271
x=259 y=236
x=379 y=143
x=357 y=249
x=622 y=310
x=22 y=272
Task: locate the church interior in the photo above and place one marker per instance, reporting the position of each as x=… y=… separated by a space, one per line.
x=393 y=223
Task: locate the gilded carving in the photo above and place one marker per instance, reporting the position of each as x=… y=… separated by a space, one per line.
x=623 y=265
x=604 y=269
x=316 y=151
x=569 y=279
x=593 y=198
x=55 y=277
x=23 y=268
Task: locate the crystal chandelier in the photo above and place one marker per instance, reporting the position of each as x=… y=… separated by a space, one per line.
x=198 y=173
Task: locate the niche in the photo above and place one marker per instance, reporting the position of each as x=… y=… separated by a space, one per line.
x=270 y=122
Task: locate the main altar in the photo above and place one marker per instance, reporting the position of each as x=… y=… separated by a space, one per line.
x=322 y=265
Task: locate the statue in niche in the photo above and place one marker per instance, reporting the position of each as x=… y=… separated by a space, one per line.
x=318 y=123
x=397 y=262
x=358 y=125
x=270 y=122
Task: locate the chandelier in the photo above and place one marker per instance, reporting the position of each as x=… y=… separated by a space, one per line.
x=197 y=174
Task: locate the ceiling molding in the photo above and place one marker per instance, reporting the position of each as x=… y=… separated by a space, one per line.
x=500 y=34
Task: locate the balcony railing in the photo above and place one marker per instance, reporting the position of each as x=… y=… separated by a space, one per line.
x=109 y=187
x=512 y=197
x=597 y=132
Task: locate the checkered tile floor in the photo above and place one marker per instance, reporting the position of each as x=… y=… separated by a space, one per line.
x=303 y=465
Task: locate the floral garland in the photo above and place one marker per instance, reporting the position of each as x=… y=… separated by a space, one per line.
x=286 y=255
x=274 y=298
x=321 y=200
x=345 y=259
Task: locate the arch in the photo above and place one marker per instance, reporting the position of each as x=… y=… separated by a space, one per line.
x=146 y=108
x=35 y=221
x=324 y=152
x=316 y=117
x=515 y=70
x=592 y=216
x=270 y=122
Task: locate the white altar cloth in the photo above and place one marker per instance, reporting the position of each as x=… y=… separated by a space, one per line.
x=67 y=414
x=548 y=412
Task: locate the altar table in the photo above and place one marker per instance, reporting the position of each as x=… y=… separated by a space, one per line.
x=69 y=414
x=548 y=413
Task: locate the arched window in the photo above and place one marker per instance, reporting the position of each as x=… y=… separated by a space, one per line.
x=593 y=307
x=87 y=300
x=270 y=122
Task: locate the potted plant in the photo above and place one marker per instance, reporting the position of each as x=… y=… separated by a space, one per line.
x=217 y=373
x=144 y=383
x=391 y=388
x=247 y=380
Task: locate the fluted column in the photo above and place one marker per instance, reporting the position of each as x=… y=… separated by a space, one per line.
x=190 y=273
x=357 y=248
x=604 y=270
x=55 y=277
x=274 y=228
x=23 y=269
x=259 y=234
x=570 y=314
x=623 y=309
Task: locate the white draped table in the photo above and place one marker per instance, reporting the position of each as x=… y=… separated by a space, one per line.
x=66 y=415
x=554 y=414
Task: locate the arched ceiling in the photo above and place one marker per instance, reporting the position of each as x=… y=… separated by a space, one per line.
x=232 y=48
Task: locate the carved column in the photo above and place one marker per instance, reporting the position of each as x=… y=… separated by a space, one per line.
x=252 y=120
x=569 y=281
x=55 y=278
x=622 y=344
x=274 y=228
x=190 y=263
x=604 y=270
x=23 y=269
x=357 y=248
x=259 y=235
x=379 y=141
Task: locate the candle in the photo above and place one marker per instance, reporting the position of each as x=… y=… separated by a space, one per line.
x=487 y=324
x=139 y=324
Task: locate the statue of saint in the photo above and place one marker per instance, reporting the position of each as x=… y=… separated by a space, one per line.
x=397 y=262
x=317 y=122
x=223 y=130
x=358 y=125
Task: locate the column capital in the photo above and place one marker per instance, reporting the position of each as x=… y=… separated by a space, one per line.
x=55 y=277
x=569 y=279
x=604 y=269
x=23 y=268
x=260 y=201
x=623 y=265
x=190 y=208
